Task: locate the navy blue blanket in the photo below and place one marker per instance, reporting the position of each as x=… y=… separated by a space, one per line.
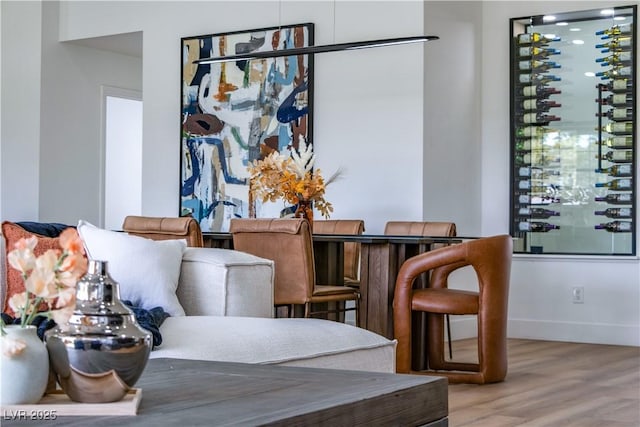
x=147 y=319
x=49 y=229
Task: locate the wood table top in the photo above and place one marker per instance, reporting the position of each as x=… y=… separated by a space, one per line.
x=193 y=393
x=361 y=238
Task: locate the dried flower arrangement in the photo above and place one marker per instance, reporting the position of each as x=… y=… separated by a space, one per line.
x=50 y=283
x=290 y=178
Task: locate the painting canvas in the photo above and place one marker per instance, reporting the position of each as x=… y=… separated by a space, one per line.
x=235 y=112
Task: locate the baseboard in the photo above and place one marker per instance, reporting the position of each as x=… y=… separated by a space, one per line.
x=592 y=333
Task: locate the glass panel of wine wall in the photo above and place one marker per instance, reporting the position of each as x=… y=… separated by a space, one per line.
x=574 y=132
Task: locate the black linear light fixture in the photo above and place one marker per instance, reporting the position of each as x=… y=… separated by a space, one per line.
x=310 y=50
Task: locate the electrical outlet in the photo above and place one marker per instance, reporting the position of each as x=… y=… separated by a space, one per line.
x=577 y=295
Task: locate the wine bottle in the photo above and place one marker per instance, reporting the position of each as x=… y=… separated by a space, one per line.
x=616 y=30
x=619 y=85
x=537 y=79
x=619 y=142
x=616 y=58
x=619 y=44
x=621 y=184
x=538 y=118
x=524 y=171
x=532 y=131
x=538 y=91
x=617 y=114
x=529 y=144
x=617 y=100
x=537 y=38
x=541 y=105
x=615 y=73
x=616 y=213
x=616 y=199
x=618 y=128
x=616 y=226
x=622 y=170
x=537 y=53
x=537 y=212
x=536 y=66
x=528 y=199
x=523 y=158
x=536 y=172
x=532 y=188
x=537 y=227
x=623 y=156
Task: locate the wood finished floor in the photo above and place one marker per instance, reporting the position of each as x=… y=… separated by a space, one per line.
x=552 y=384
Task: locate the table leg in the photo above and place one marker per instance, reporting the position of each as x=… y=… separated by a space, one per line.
x=377 y=283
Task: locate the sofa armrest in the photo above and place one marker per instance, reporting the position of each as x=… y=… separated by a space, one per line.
x=224 y=282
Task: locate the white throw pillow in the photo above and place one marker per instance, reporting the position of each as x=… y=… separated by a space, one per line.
x=147 y=270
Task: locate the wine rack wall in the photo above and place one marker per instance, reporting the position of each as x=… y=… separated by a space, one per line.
x=574 y=162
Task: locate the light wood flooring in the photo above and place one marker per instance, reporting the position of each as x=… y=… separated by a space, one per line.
x=552 y=384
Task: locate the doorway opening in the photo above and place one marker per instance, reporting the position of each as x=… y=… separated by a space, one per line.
x=121 y=161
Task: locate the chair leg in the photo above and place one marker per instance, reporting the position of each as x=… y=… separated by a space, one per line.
x=307 y=309
x=435 y=341
x=449 y=337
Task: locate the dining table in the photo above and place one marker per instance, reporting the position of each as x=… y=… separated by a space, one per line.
x=381 y=257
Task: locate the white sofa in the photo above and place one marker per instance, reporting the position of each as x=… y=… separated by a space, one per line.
x=228 y=299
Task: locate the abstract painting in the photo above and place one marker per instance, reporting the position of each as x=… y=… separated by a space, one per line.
x=235 y=112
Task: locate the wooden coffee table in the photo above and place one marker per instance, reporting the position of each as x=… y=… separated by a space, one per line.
x=179 y=392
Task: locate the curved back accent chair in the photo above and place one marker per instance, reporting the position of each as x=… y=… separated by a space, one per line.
x=490 y=257
x=289 y=244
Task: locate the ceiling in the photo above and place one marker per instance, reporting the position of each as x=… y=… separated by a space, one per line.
x=126 y=43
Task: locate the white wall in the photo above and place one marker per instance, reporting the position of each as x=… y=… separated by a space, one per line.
x=452 y=137
x=20 y=109
x=71 y=114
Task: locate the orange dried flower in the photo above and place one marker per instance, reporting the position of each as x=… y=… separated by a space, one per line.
x=289 y=178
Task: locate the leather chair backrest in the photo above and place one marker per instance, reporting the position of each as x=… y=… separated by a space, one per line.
x=351 y=249
x=420 y=228
x=289 y=244
x=165 y=228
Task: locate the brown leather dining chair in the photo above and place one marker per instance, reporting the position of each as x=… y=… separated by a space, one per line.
x=351 y=249
x=425 y=228
x=289 y=244
x=164 y=228
x=490 y=257
x=421 y=228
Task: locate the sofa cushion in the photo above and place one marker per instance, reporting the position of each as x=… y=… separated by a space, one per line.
x=12 y=232
x=147 y=270
x=292 y=342
x=224 y=282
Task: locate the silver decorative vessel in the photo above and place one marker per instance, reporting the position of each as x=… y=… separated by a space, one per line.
x=101 y=352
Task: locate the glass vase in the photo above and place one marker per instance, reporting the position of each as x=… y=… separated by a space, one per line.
x=305 y=210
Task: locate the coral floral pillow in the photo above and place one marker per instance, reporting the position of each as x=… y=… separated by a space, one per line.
x=12 y=233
